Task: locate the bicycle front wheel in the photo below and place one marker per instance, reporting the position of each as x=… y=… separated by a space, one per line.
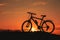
x=26 y=26
x=48 y=26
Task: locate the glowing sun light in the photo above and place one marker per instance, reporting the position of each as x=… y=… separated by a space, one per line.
x=33 y=29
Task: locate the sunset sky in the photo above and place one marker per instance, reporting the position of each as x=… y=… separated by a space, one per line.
x=14 y=12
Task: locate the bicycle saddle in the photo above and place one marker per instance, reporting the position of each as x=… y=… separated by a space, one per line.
x=31 y=13
x=43 y=15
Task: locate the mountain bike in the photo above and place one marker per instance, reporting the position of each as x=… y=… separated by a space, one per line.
x=44 y=26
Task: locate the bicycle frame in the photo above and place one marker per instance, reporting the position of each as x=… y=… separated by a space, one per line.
x=32 y=18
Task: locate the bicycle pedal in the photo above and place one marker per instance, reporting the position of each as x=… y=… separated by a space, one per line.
x=27 y=26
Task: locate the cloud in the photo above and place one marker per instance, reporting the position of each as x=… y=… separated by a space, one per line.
x=39 y=3
x=3 y=4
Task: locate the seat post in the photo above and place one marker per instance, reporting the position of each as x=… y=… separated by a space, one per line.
x=42 y=17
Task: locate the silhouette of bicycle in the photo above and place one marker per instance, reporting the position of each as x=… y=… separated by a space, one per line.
x=45 y=25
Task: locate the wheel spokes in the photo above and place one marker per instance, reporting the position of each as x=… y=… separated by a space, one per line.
x=48 y=27
x=27 y=27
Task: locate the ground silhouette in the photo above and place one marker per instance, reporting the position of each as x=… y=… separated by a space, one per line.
x=8 y=34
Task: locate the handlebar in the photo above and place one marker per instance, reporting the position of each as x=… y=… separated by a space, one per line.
x=35 y=14
x=43 y=15
x=31 y=13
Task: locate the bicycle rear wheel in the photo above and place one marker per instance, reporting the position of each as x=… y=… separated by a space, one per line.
x=26 y=26
x=48 y=26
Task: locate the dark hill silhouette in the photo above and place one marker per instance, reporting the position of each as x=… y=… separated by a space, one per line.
x=8 y=34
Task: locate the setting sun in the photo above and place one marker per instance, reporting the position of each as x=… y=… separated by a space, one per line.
x=33 y=29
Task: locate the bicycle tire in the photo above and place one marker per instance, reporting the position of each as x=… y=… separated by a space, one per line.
x=51 y=23
x=23 y=25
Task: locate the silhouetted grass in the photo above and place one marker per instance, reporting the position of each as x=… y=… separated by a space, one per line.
x=9 y=34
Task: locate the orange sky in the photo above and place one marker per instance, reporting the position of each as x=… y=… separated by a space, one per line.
x=13 y=12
